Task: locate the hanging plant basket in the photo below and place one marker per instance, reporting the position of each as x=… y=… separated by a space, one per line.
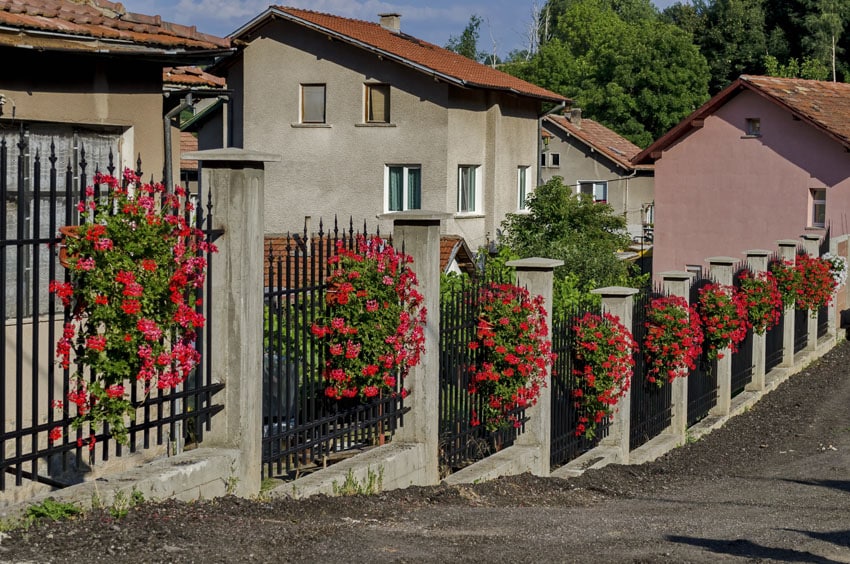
x=67 y=232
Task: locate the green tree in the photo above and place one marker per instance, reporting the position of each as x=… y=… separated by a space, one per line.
x=812 y=69
x=466 y=43
x=572 y=228
x=640 y=79
x=825 y=22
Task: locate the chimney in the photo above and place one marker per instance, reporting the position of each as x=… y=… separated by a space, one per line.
x=391 y=22
x=575 y=117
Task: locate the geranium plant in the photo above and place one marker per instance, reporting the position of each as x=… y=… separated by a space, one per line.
x=603 y=366
x=514 y=352
x=724 y=319
x=838 y=267
x=817 y=283
x=373 y=332
x=673 y=340
x=134 y=271
x=788 y=281
x=762 y=299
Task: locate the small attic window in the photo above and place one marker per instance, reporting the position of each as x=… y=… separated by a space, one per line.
x=753 y=127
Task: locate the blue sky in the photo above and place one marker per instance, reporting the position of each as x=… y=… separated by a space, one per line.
x=505 y=21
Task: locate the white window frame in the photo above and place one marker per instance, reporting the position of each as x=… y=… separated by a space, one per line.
x=368 y=87
x=554 y=160
x=597 y=184
x=817 y=197
x=301 y=116
x=523 y=187
x=478 y=207
x=405 y=206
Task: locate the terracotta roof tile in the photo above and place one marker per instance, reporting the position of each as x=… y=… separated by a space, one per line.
x=455 y=247
x=191 y=76
x=420 y=54
x=103 y=20
x=825 y=105
x=600 y=138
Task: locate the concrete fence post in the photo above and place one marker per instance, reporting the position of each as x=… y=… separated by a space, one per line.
x=618 y=301
x=757 y=259
x=811 y=243
x=788 y=254
x=536 y=275
x=418 y=233
x=721 y=269
x=678 y=283
x=235 y=180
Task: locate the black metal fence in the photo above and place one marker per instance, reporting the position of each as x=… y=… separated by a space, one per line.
x=775 y=344
x=565 y=444
x=463 y=440
x=302 y=428
x=742 y=359
x=651 y=410
x=702 y=381
x=38 y=195
x=801 y=329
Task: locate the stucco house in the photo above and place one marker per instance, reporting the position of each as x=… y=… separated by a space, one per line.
x=595 y=160
x=763 y=160
x=370 y=120
x=89 y=72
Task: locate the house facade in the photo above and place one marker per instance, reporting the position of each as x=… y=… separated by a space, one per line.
x=593 y=160
x=370 y=120
x=763 y=160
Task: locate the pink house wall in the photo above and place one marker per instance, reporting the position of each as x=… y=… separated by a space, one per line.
x=720 y=193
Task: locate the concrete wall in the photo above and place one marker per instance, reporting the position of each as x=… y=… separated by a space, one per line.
x=88 y=91
x=628 y=196
x=718 y=189
x=339 y=167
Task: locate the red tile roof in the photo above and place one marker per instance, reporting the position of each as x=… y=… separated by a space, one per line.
x=454 y=248
x=421 y=55
x=101 y=20
x=598 y=137
x=191 y=76
x=824 y=105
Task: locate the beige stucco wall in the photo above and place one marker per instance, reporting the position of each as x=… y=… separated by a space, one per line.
x=629 y=192
x=92 y=91
x=339 y=167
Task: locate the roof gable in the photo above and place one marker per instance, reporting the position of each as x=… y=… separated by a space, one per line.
x=90 y=25
x=823 y=105
x=406 y=49
x=599 y=138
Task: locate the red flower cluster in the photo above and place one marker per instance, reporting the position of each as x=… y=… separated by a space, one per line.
x=760 y=295
x=673 y=341
x=374 y=331
x=817 y=283
x=515 y=353
x=724 y=318
x=604 y=365
x=133 y=279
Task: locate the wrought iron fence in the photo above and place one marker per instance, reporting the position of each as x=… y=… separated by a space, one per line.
x=775 y=336
x=801 y=329
x=462 y=440
x=742 y=359
x=651 y=404
x=302 y=428
x=566 y=444
x=702 y=381
x=38 y=195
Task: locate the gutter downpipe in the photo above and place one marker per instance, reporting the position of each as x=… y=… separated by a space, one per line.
x=185 y=104
x=557 y=108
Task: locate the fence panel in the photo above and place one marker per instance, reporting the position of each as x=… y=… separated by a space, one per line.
x=462 y=440
x=38 y=195
x=702 y=381
x=651 y=406
x=742 y=359
x=774 y=344
x=302 y=428
x=565 y=444
x=801 y=329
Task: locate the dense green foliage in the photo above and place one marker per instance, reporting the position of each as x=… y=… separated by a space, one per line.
x=572 y=228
